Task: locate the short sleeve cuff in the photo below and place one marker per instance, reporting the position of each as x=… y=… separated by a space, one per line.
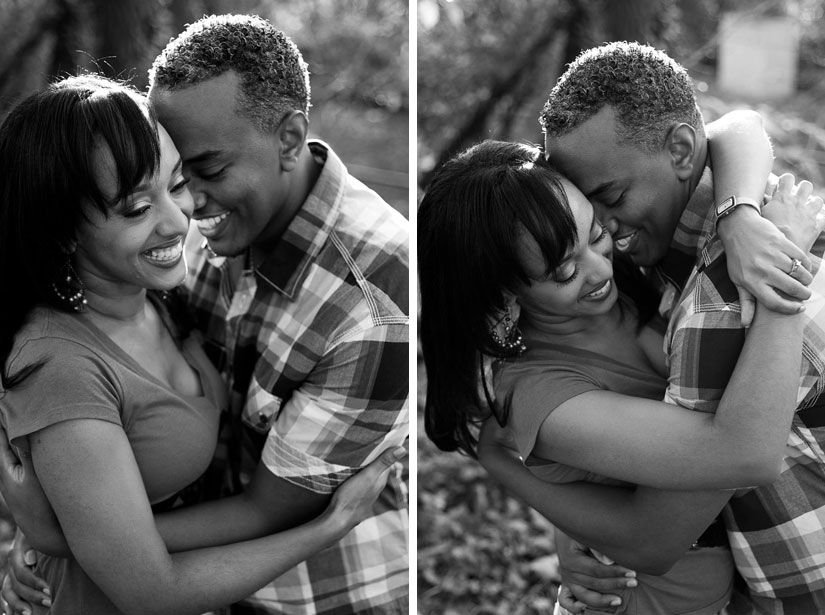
x=300 y=469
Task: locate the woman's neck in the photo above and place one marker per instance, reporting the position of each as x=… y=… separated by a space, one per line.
x=117 y=310
x=573 y=330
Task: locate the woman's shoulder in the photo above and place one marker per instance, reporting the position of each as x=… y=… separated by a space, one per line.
x=545 y=363
x=50 y=328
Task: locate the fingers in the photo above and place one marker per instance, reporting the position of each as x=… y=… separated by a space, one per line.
x=382 y=464
x=21 y=579
x=578 y=561
x=7 y=457
x=14 y=603
x=788 y=287
x=785 y=183
x=593 y=599
x=601 y=584
x=803 y=190
x=568 y=601
x=817 y=203
x=747 y=303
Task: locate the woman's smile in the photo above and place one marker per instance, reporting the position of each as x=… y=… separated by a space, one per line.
x=599 y=293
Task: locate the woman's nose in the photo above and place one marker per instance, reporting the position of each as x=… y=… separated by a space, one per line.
x=176 y=215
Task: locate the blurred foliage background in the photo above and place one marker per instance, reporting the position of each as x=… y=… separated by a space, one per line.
x=484 y=70
x=357 y=51
x=485 y=67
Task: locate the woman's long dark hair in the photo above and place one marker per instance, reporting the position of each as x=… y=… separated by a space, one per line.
x=470 y=224
x=48 y=146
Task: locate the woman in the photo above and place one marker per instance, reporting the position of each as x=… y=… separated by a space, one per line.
x=514 y=265
x=103 y=383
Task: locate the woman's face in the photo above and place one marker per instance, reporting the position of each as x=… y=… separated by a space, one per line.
x=582 y=285
x=140 y=243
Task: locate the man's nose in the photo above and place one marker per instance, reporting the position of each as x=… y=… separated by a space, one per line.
x=198 y=195
x=610 y=223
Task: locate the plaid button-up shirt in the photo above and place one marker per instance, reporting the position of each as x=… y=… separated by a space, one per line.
x=314 y=345
x=776 y=532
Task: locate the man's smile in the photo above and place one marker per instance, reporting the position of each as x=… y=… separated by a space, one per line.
x=624 y=243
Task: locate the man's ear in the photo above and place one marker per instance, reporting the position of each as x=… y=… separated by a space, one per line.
x=681 y=145
x=292 y=135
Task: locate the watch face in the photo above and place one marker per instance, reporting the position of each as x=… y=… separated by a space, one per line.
x=725 y=207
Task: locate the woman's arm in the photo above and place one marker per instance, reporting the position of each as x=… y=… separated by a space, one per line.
x=757 y=252
x=644 y=529
x=90 y=476
x=662 y=445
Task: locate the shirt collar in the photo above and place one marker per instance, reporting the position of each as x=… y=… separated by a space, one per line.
x=288 y=263
x=691 y=232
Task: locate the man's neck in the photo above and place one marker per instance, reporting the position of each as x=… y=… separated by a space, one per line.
x=700 y=160
x=304 y=176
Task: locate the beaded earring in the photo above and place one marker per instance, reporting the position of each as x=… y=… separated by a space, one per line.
x=71 y=290
x=511 y=343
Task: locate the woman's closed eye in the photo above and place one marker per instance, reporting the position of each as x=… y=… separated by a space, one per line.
x=597 y=232
x=137 y=210
x=566 y=273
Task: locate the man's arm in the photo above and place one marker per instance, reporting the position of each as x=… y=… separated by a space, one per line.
x=758 y=253
x=353 y=406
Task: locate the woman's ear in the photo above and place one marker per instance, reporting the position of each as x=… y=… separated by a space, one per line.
x=292 y=134
x=68 y=246
x=681 y=144
x=510 y=299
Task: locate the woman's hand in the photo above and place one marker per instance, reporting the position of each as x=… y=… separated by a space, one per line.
x=757 y=255
x=21 y=587
x=352 y=502
x=797 y=213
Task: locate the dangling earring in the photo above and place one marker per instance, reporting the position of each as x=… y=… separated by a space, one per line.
x=70 y=290
x=511 y=344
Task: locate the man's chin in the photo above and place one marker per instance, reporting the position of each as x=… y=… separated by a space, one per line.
x=643 y=258
x=225 y=248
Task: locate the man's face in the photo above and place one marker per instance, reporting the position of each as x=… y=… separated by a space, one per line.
x=637 y=195
x=236 y=177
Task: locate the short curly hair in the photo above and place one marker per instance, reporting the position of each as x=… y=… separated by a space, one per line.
x=647 y=88
x=273 y=75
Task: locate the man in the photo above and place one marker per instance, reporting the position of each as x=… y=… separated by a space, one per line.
x=310 y=305
x=623 y=124
x=302 y=294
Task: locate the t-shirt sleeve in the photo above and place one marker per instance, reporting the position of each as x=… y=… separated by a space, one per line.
x=72 y=382
x=353 y=406
x=533 y=394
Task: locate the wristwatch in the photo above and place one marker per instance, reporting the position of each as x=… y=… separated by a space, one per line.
x=727 y=206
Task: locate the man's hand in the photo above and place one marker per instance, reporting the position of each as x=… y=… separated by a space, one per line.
x=585 y=579
x=28 y=504
x=796 y=212
x=21 y=587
